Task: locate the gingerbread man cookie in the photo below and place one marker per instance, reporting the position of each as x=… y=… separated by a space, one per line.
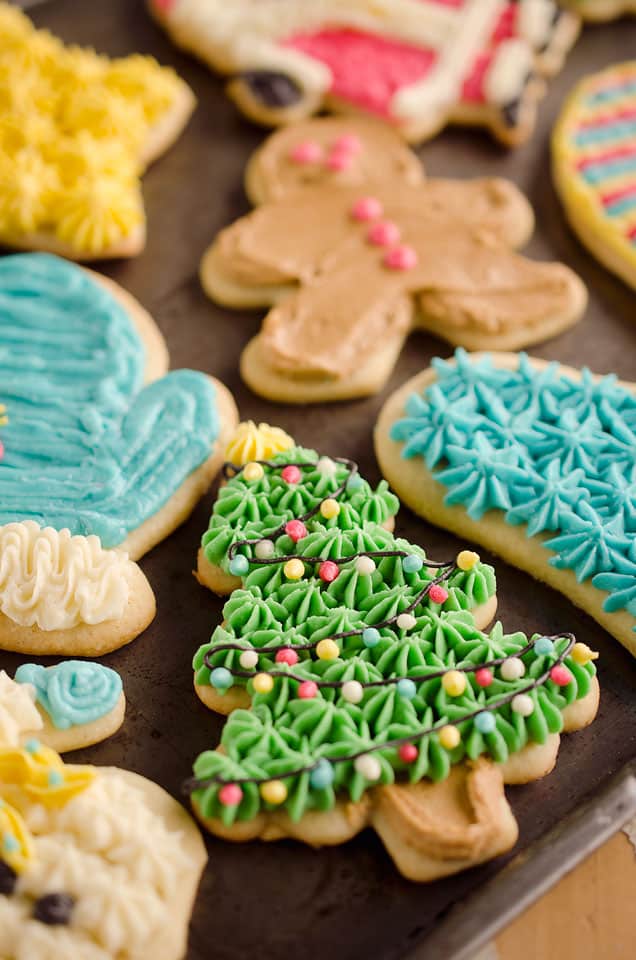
x=418 y=64
x=359 y=687
x=77 y=131
x=355 y=248
x=594 y=164
x=535 y=461
x=96 y=863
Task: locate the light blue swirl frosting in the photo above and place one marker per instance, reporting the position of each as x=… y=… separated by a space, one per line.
x=548 y=450
x=73 y=693
x=87 y=446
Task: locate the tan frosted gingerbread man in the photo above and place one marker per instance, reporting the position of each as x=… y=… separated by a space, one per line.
x=353 y=247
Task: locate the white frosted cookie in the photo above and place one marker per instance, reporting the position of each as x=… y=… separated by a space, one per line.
x=391 y=252
x=533 y=460
x=416 y=64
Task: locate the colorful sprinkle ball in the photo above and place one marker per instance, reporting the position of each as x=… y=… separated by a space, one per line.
x=383 y=234
x=55 y=778
x=294 y=569
x=288 y=656
x=339 y=160
x=239 y=565
x=467 y=559
x=307 y=151
x=263 y=683
x=253 y=471
x=437 y=594
x=1 y=450
x=412 y=563
x=368 y=767
x=230 y=795
x=483 y=677
x=354 y=481
x=366 y=208
x=522 y=704
x=221 y=678
x=352 y=691
x=406 y=621
x=347 y=143
x=307 y=690
x=485 y=722
x=329 y=508
x=248 y=659
x=544 y=647
x=327 y=650
x=365 y=566
x=512 y=669
x=326 y=466
x=408 y=753
x=328 y=571
x=274 y=792
x=454 y=683
x=264 y=550
x=582 y=654
x=371 y=637
x=322 y=776
x=406 y=688
x=401 y=257
x=449 y=737
x=560 y=675
x=295 y=530
x=291 y=474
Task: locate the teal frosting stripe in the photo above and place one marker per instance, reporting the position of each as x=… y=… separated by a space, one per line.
x=73 y=693
x=86 y=446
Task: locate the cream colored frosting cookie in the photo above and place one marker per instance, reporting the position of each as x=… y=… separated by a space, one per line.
x=390 y=252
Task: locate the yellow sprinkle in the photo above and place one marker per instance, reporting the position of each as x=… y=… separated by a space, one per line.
x=454 y=683
x=328 y=650
x=467 y=559
x=582 y=654
x=449 y=737
x=294 y=569
x=274 y=791
x=253 y=471
x=262 y=683
x=329 y=508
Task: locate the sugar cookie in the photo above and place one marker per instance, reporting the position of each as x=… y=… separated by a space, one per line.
x=594 y=166
x=391 y=251
x=533 y=460
x=77 y=131
x=417 y=64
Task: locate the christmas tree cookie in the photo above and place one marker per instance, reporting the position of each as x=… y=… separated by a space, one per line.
x=535 y=461
x=361 y=686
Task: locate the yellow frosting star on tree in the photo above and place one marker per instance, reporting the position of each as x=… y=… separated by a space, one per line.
x=77 y=130
x=251 y=442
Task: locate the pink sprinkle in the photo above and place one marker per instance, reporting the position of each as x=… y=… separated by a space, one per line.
x=291 y=474
x=401 y=258
x=408 y=752
x=438 y=594
x=339 y=161
x=1 y=450
x=384 y=234
x=366 y=208
x=483 y=676
x=307 y=690
x=348 y=143
x=296 y=530
x=307 y=151
x=328 y=571
x=230 y=795
x=288 y=656
x=560 y=675
x=164 y=5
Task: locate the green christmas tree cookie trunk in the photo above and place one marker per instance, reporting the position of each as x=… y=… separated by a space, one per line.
x=361 y=689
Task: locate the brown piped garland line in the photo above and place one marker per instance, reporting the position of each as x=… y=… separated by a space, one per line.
x=193 y=784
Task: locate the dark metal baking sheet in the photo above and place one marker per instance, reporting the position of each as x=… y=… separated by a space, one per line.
x=349 y=902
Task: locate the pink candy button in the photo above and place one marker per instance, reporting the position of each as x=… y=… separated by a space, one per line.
x=384 y=234
x=348 y=143
x=366 y=208
x=307 y=151
x=339 y=161
x=401 y=258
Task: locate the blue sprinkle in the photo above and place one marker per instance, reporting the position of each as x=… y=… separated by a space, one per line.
x=239 y=565
x=55 y=778
x=10 y=844
x=371 y=637
x=485 y=722
x=32 y=746
x=406 y=688
x=221 y=678
x=544 y=647
x=412 y=563
x=354 y=482
x=322 y=775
